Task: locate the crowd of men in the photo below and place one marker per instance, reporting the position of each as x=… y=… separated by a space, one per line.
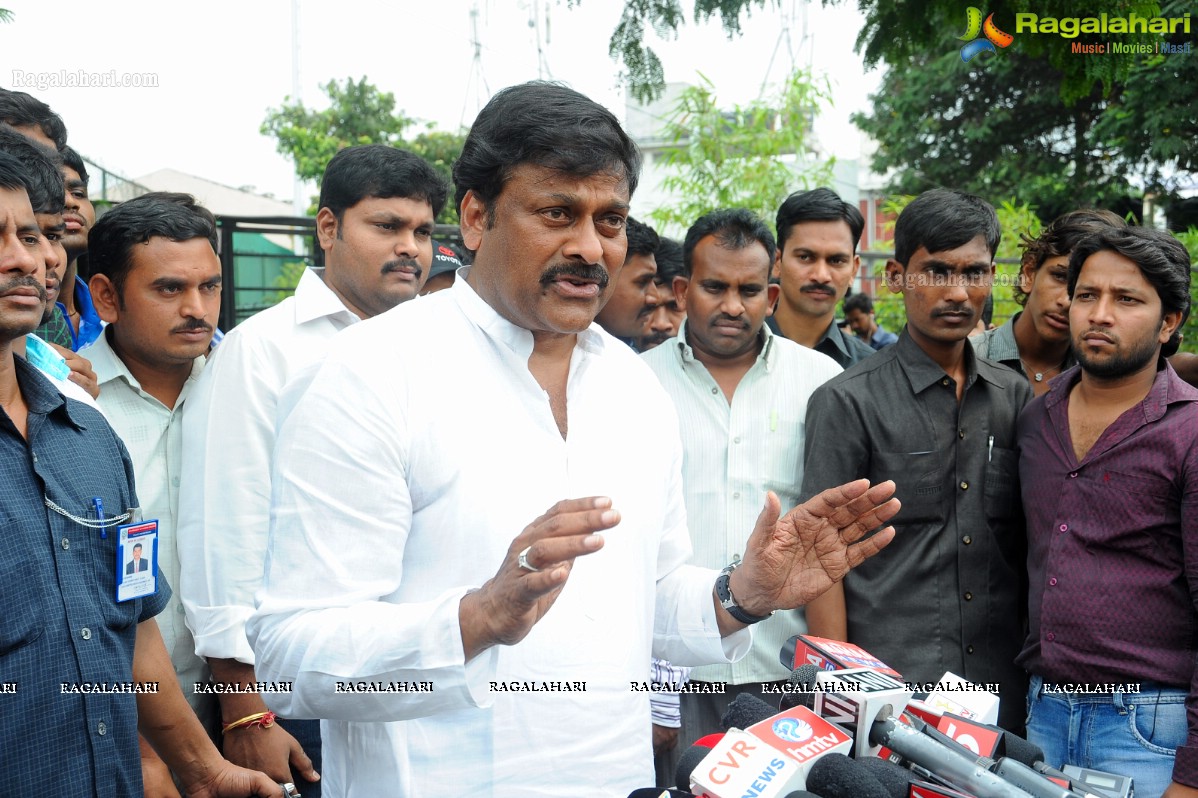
x=382 y=539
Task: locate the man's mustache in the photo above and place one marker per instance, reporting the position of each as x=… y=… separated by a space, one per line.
x=592 y=273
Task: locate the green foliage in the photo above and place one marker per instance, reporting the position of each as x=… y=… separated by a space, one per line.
x=1189 y=333
x=358 y=113
x=6 y=15
x=995 y=129
x=751 y=157
x=641 y=69
x=1015 y=219
x=289 y=276
x=898 y=31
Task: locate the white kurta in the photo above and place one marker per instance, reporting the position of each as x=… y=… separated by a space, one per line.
x=420 y=449
x=228 y=437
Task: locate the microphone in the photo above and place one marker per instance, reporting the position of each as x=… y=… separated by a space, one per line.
x=896 y=780
x=741 y=765
x=800 y=687
x=830 y=655
x=837 y=776
x=687 y=762
x=745 y=711
x=855 y=698
x=944 y=762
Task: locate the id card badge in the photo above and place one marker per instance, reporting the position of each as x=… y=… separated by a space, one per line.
x=137 y=560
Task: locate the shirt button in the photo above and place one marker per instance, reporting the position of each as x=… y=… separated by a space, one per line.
x=960 y=433
x=1064 y=527
x=736 y=439
x=968 y=596
x=964 y=485
x=736 y=495
x=35 y=457
x=969 y=649
x=66 y=544
x=715 y=390
x=175 y=481
x=1073 y=475
x=944 y=381
x=1051 y=636
x=102 y=728
x=85 y=633
x=1053 y=582
x=967 y=540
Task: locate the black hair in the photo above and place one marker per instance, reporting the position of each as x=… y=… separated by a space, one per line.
x=817 y=205
x=157 y=214
x=988 y=310
x=861 y=302
x=543 y=124
x=669 y=261
x=943 y=219
x=43 y=170
x=12 y=174
x=1059 y=238
x=21 y=110
x=1162 y=259
x=381 y=171
x=733 y=228
x=72 y=159
x=642 y=239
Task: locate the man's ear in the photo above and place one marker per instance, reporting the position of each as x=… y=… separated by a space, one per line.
x=1169 y=325
x=474 y=218
x=681 y=284
x=894 y=276
x=326 y=228
x=772 y=292
x=776 y=272
x=104 y=297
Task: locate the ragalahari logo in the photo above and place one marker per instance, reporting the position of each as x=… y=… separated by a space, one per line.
x=992 y=35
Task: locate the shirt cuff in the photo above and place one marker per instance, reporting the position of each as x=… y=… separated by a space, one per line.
x=1185 y=765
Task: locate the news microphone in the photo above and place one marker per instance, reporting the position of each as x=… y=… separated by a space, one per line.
x=956 y=768
x=896 y=780
x=1029 y=780
x=799 y=691
x=687 y=762
x=741 y=765
x=657 y=792
x=837 y=776
x=744 y=711
x=855 y=698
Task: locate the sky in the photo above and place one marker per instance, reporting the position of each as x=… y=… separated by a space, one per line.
x=219 y=66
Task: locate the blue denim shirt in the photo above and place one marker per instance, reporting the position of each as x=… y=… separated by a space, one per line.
x=61 y=623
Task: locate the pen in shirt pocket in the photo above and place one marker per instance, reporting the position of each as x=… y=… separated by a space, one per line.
x=773 y=420
x=990 y=449
x=98 y=505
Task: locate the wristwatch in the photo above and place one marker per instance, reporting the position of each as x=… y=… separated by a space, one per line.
x=723 y=592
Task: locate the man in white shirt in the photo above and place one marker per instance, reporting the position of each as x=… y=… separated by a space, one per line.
x=377 y=210
x=156 y=283
x=741 y=395
x=449 y=651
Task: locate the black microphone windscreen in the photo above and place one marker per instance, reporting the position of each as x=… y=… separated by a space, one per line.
x=896 y=780
x=654 y=792
x=744 y=711
x=687 y=763
x=800 y=794
x=837 y=776
x=1021 y=750
x=804 y=676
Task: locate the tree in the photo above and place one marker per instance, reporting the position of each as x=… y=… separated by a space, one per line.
x=750 y=157
x=6 y=15
x=895 y=31
x=997 y=130
x=358 y=113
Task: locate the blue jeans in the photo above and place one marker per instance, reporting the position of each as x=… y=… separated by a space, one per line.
x=1130 y=734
